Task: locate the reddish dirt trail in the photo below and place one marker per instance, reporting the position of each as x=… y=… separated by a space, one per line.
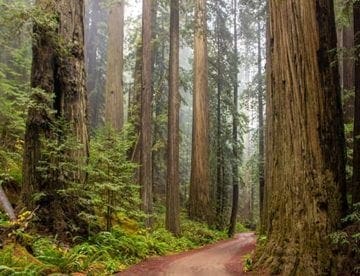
x=221 y=259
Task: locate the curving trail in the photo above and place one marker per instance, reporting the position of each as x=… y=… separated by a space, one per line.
x=221 y=259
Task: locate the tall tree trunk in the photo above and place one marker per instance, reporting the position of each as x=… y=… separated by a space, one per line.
x=114 y=98
x=173 y=178
x=145 y=121
x=135 y=107
x=356 y=175
x=235 y=166
x=304 y=168
x=200 y=170
x=219 y=149
x=261 y=122
x=61 y=75
x=94 y=16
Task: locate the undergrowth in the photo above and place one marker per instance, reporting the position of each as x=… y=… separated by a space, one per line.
x=346 y=243
x=103 y=253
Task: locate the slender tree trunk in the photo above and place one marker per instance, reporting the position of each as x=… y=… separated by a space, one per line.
x=235 y=166
x=304 y=169
x=219 y=150
x=173 y=178
x=200 y=170
x=145 y=122
x=135 y=108
x=356 y=175
x=114 y=98
x=93 y=10
x=61 y=75
x=261 y=122
x=94 y=16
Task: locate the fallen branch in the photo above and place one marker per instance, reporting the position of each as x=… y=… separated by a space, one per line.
x=6 y=205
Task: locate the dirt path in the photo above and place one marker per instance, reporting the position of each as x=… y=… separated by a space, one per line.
x=221 y=259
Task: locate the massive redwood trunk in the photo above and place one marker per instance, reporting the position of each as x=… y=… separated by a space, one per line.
x=304 y=168
x=173 y=177
x=57 y=69
x=200 y=170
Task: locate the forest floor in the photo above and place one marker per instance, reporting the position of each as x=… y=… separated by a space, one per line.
x=220 y=259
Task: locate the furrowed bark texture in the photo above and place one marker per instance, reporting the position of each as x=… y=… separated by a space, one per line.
x=145 y=117
x=356 y=175
x=200 y=174
x=304 y=170
x=114 y=98
x=58 y=69
x=173 y=178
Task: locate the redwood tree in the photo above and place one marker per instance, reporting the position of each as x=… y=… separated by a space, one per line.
x=58 y=70
x=356 y=176
x=200 y=172
x=304 y=168
x=114 y=98
x=235 y=165
x=145 y=117
x=173 y=178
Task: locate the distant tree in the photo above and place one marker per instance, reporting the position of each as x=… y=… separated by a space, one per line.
x=356 y=164
x=114 y=98
x=146 y=114
x=200 y=170
x=304 y=168
x=260 y=96
x=235 y=121
x=95 y=58
x=173 y=177
x=58 y=70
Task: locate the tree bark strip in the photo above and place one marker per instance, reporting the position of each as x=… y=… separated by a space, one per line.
x=145 y=118
x=200 y=166
x=356 y=164
x=173 y=178
x=235 y=166
x=114 y=98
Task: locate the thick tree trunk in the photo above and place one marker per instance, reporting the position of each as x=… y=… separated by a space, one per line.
x=145 y=121
x=173 y=178
x=304 y=169
x=235 y=165
x=61 y=75
x=114 y=98
x=200 y=170
x=356 y=175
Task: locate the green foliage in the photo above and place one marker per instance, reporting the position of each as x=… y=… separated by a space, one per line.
x=346 y=242
x=103 y=253
x=15 y=63
x=111 y=175
x=248 y=263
